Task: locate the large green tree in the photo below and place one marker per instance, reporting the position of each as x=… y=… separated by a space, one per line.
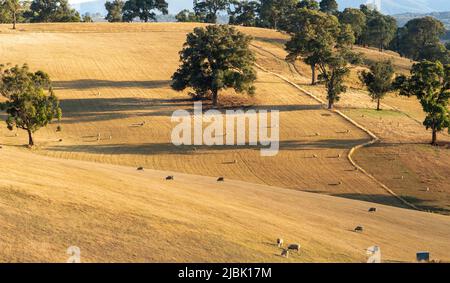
x=114 y=10
x=381 y=29
x=308 y=4
x=430 y=83
x=10 y=11
x=43 y=11
x=333 y=71
x=145 y=10
x=187 y=16
x=329 y=6
x=30 y=101
x=378 y=80
x=245 y=13
x=419 y=39
x=215 y=58
x=313 y=37
x=208 y=9
x=356 y=19
x=273 y=13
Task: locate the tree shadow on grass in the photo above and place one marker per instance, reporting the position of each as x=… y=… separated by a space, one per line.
x=169 y=148
x=393 y=201
x=96 y=84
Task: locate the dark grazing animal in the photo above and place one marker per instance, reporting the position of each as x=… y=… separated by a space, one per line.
x=295 y=247
x=140 y=168
x=359 y=229
x=220 y=179
x=373 y=209
x=169 y=178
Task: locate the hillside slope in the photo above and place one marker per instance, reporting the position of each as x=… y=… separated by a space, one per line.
x=119 y=214
x=113 y=77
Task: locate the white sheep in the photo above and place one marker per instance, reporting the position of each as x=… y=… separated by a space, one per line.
x=279 y=242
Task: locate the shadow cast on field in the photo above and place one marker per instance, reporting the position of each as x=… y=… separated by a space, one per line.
x=103 y=109
x=392 y=200
x=96 y=84
x=169 y=148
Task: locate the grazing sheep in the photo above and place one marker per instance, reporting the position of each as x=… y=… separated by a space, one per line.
x=220 y=179
x=340 y=183
x=359 y=229
x=373 y=209
x=285 y=253
x=140 y=168
x=339 y=156
x=315 y=156
x=169 y=178
x=295 y=247
x=279 y=242
x=317 y=134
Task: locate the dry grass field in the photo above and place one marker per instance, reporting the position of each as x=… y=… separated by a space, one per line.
x=86 y=191
x=118 y=214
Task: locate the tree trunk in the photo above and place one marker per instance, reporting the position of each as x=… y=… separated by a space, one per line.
x=30 y=138
x=330 y=104
x=313 y=71
x=434 y=137
x=378 y=104
x=14 y=19
x=215 y=97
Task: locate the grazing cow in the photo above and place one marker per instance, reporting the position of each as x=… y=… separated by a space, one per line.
x=220 y=179
x=169 y=178
x=295 y=247
x=373 y=209
x=140 y=168
x=279 y=242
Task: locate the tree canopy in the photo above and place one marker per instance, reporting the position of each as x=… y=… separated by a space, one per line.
x=207 y=9
x=313 y=37
x=245 y=13
x=143 y=9
x=419 y=39
x=114 y=10
x=378 y=80
x=356 y=19
x=44 y=11
x=430 y=83
x=214 y=58
x=328 y=6
x=30 y=101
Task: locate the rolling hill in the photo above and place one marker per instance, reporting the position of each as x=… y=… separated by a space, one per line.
x=81 y=187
